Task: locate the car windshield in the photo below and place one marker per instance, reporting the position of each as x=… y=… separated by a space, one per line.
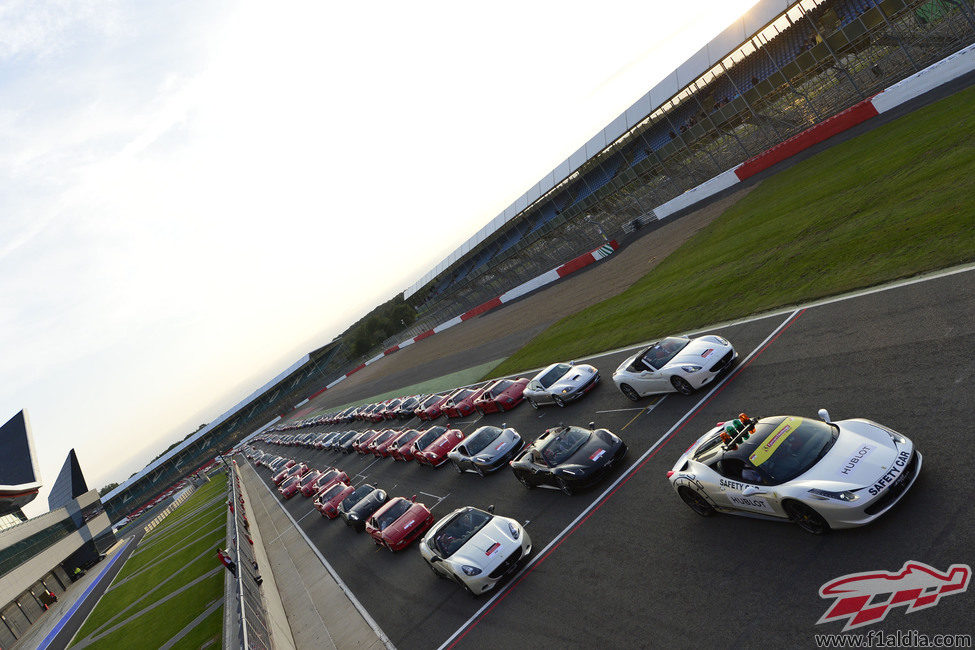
x=481 y=439
x=328 y=476
x=309 y=478
x=431 y=434
x=786 y=447
x=461 y=396
x=553 y=375
x=659 y=355
x=407 y=438
x=430 y=401
x=458 y=529
x=384 y=437
x=332 y=491
x=560 y=447
x=360 y=493
x=392 y=513
x=290 y=482
x=500 y=388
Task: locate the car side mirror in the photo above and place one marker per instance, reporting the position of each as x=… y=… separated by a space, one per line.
x=434 y=558
x=592 y=425
x=824 y=415
x=413 y=498
x=490 y=508
x=752 y=490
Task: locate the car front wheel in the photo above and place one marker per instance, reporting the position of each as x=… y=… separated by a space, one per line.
x=629 y=392
x=565 y=487
x=681 y=385
x=805 y=517
x=558 y=402
x=524 y=481
x=534 y=405
x=695 y=501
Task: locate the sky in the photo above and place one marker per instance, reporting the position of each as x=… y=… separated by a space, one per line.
x=194 y=194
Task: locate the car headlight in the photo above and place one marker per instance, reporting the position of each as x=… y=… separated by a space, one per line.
x=515 y=533
x=722 y=340
x=572 y=472
x=690 y=368
x=353 y=517
x=565 y=390
x=896 y=437
x=483 y=459
x=845 y=495
x=470 y=570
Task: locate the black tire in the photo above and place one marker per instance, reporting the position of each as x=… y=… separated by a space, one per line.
x=681 y=385
x=805 y=517
x=480 y=472
x=460 y=470
x=532 y=403
x=565 y=487
x=558 y=402
x=524 y=481
x=629 y=392
x=695 y=501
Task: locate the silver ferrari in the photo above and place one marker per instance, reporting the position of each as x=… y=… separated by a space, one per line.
x=561 y=383
x=818 y=474
x=485 y=450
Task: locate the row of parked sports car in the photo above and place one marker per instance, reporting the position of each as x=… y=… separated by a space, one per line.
x=674 y=364
x=816 y=473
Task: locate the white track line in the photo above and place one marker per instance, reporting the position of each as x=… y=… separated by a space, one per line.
x=619 y=480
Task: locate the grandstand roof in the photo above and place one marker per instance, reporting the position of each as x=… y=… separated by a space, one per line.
x=756 y=18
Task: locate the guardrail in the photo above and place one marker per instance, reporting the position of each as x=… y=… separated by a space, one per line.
x=251 y=629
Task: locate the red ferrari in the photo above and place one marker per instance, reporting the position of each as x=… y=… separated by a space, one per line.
x=384 y=437
x=382 y=447
x=502 y=395
x=306 y=482
x=398 y=523
x=328 y=500
x=325 y=479
x=431 y=448
x=462 y=404
x=362 y=443
x=432 y=408
x=294 y=470
x=402 y=449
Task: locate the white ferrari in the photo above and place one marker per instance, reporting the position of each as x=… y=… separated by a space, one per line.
x=674 y=364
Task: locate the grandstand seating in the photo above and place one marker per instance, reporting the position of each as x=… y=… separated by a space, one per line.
x=762 y=74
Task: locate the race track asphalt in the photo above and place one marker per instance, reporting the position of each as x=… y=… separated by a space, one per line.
x=638 y=568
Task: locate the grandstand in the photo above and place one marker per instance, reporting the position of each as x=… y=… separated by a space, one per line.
x=781 y=68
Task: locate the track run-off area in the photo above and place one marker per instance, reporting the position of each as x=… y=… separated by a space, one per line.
x=627 y=564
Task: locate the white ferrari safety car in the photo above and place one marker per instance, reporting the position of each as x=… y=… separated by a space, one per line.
x=818 y=474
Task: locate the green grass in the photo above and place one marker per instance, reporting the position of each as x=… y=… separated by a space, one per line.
x=203 y=532
x=208 y=631
x=894 y=202
x=153 y=629
x=186 y=563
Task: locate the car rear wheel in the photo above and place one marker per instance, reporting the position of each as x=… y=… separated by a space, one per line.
x=681 y=385
x=558 y=402
x=805 y=517
x=695 y=501
x=629 y=392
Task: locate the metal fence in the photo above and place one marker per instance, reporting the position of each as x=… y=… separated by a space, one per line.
x=246 y=600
